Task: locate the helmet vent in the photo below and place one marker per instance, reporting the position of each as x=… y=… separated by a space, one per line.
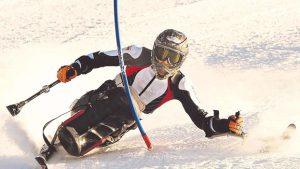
x=174 y=39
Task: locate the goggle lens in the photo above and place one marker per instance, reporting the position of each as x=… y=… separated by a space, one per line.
x=163 y=54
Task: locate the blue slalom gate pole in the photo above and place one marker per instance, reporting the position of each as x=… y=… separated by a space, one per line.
x=124 y=78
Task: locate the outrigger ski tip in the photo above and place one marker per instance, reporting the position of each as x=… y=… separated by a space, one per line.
x=289 y=131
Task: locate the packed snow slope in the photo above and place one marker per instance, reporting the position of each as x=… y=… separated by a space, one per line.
x=244 y=55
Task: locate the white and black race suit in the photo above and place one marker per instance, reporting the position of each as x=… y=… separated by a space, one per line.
x=152 y=91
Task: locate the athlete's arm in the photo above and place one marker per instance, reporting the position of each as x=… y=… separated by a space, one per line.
x=133 y=55
x=186 y=95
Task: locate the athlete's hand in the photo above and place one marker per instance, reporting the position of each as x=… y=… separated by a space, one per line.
x=66 y=73
x=236 y=124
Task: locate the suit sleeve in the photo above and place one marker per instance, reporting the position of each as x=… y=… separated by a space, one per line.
x=133 y=55
x=186 y=95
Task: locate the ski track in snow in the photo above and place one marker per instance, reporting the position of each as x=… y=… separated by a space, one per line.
x=244 y=55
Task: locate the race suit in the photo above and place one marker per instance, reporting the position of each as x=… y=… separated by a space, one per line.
x=150 y=91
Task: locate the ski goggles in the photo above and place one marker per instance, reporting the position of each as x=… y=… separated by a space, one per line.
x=163 y=53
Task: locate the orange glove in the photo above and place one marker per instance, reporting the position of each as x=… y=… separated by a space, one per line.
x=66 y=73
x=236 y=124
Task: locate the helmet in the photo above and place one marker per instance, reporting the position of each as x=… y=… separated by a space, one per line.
x=171 y=46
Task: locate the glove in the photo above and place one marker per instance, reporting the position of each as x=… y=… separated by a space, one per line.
x=66 y=73
x=236 y=124
x=214 y=126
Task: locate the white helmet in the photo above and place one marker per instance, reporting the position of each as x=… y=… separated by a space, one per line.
x=170 y=45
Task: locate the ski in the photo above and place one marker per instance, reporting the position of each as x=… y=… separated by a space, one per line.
x=44 y=155
x=275 y=143
x=47 y=149
x=41 y=161
x=289 y=131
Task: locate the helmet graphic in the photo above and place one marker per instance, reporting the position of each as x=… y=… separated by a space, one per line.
x=169 y=52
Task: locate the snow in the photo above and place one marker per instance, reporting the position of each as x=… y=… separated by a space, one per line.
x=244 y=55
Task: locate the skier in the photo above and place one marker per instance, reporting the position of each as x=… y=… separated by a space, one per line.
x=102 y=116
